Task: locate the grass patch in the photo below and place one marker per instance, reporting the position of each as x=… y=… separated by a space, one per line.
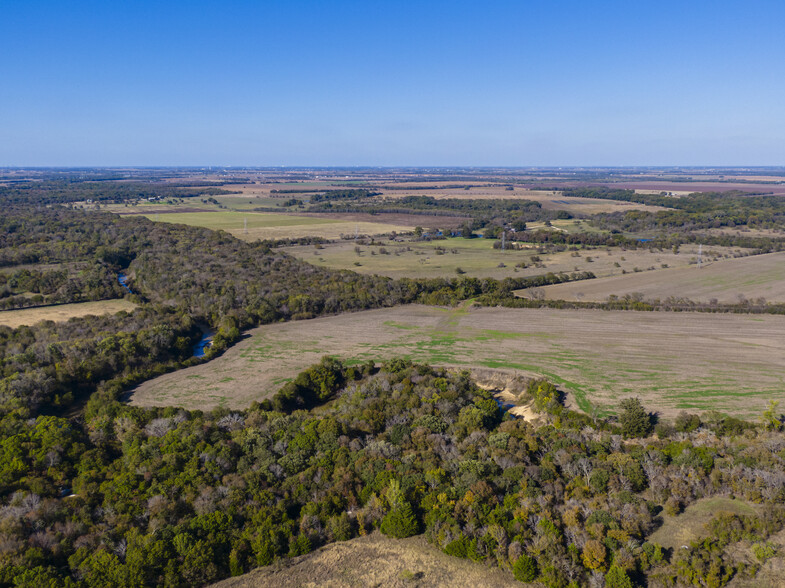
x=63 y=312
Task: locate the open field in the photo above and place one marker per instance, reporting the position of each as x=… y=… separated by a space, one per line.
x=375 y=560
x=690 y=525
x=676 y=187
x=726 y=280
x=262 y=225
x=673 y=361
x=62 y=312
x=581 y=206
x=478 y=258
x=549 y=199
x=743 y=231
x=701 y=186
x=250 y=196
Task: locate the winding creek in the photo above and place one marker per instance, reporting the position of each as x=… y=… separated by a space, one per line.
x=201 y=346
x=123 y=279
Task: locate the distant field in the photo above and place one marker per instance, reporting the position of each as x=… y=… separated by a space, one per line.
x=417 y=259
x=375 y=560
x=727 y=280
x=478 y=258
x=261 y=225
x=62 y=312
x=550 y=200
x=678 y=188
x=673 y=361
x=701 y=186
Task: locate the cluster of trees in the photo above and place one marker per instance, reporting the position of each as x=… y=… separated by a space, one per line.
x=128 y=496
x=64 y=189
x=343 y=195
x=25 y=287
x=699 y=210
x=634 y=301
x=489 y=213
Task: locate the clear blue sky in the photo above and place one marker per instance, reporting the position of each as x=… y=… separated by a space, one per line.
x=546 y=82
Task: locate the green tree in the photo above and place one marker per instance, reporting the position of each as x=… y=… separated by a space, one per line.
x=400 y=522
x=525 y=569
x=770 y=418
x=617 y=578
x=635 y=421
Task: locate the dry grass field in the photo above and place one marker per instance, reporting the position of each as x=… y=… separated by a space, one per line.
x=673 y=361
x=549 y=199
x=680 y=530
x=263 y=225
x=62 y=312
x=726 y=280
x=478 y=258
x=691 y=524
x=375 y=561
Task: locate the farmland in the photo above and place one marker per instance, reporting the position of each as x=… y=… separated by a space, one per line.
x=685 y=361
x=478 y=258
x=262 y=225
x=62 y=312
x=725 y=280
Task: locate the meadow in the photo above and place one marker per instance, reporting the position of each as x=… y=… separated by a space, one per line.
x=673 y=361
x=376 y=560
x=250 y=226
x=478 y=258
x=62 y=312
x=680 y=529
x=724 y=280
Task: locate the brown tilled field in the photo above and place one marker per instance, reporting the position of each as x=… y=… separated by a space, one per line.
x=375 y=560
x=673 y=361
x=726 y=280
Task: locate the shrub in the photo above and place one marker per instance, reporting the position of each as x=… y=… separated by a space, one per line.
x=525 y=569
x=400 y=522
x=635 y=421
x=617 y=578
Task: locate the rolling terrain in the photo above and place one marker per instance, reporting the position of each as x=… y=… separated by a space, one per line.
x=673 y=361
x=375 y=560
x=727 y=281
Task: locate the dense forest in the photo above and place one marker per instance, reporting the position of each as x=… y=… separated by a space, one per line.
x=133 y=497
x=64 y=190
x=700 y=210
x=26 y=287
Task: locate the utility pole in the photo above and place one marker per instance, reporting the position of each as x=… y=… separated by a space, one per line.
x=700 y=255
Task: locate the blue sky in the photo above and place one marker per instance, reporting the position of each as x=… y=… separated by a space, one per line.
x=392 y=83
